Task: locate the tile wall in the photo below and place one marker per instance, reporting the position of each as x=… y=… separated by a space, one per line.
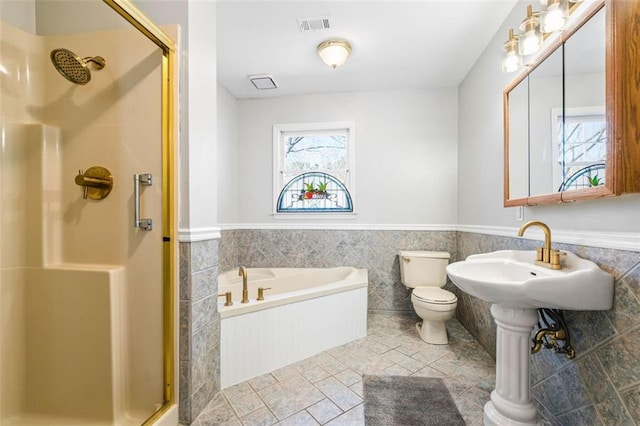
x=374 y=250
x=600 y=387
x=199 y=353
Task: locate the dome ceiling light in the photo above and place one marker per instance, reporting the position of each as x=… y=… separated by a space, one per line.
x=334 y=52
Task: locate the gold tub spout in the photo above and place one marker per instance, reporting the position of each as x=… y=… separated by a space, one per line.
x=242 y=271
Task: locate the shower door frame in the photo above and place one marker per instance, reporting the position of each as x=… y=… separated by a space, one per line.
x=142 y=23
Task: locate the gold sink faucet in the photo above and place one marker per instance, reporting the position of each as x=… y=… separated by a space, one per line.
x=242 y=271
x=546 y=256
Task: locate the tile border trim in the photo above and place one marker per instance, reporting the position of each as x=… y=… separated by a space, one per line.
x=191 y=235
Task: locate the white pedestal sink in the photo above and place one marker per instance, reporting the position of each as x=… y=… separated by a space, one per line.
x=517 y=288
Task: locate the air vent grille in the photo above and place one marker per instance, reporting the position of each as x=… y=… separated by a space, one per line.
x=263 y=81
x=314 y=24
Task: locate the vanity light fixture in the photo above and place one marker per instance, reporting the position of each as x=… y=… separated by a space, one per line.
x=511 y=60
x=334 y=52
x=533 y=31
x=531 y=38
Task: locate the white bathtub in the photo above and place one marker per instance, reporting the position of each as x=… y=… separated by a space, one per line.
x=306 y=311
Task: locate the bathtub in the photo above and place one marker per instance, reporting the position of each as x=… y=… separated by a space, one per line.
x=305 y=311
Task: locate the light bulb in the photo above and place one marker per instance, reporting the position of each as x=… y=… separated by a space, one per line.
x=529 y=43
x=554 y=18
x=511 y=62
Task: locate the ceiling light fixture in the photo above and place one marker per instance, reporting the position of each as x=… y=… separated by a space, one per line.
x=534 y=29
x=334 y=52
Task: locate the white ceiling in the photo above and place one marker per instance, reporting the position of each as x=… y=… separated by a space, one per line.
x=396 y=44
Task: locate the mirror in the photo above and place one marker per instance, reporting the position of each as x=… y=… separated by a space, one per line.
x=583 y=146
x=559 y=135
x=545 y=99
x=518 y=134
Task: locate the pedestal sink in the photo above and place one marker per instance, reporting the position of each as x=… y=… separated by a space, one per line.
x=517 y=287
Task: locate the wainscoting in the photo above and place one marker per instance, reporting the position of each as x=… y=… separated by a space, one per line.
x=600 y=387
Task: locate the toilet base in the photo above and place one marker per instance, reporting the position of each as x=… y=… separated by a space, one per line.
x=433 y=332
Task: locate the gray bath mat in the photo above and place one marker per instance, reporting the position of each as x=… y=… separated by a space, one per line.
x=408 y=401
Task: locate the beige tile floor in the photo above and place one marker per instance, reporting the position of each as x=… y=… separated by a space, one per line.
x=327 y=388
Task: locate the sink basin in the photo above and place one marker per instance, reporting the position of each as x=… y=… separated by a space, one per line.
x=511 y=279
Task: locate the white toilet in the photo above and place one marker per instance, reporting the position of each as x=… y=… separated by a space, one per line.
x=425 y=272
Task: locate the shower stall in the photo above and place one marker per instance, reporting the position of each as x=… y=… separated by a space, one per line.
x=87 y=250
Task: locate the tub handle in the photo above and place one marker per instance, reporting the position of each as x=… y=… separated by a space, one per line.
x=227 y=301
x=261 y=292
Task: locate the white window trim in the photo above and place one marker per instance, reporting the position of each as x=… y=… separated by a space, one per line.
x=557 y=115
x=278 y=130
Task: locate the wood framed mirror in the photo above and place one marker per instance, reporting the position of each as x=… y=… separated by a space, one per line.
x=571 y=119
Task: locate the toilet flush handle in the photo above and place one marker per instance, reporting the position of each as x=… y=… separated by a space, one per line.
x=406 y=259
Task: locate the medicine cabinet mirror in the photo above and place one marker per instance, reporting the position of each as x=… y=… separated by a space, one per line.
x=570 y=119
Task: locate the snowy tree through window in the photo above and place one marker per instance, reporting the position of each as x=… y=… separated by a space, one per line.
x=314 y=165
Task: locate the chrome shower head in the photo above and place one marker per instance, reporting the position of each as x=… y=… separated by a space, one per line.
x=74 y=68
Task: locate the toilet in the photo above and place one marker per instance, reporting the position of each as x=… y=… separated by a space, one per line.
x=425 y=273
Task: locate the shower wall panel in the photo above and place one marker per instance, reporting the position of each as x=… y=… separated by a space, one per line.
x=21 y=74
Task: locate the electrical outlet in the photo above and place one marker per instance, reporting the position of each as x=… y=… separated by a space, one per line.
x=519 y=214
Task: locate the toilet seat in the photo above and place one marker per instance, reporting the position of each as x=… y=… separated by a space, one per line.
x=434 y=295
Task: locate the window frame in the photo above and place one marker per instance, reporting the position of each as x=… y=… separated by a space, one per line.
x=280 y=131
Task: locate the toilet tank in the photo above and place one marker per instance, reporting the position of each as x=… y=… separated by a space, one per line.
x=423 y=268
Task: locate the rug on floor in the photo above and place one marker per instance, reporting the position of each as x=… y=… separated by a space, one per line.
x=408 y=401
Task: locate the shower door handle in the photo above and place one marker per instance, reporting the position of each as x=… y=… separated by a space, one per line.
x=140 y=179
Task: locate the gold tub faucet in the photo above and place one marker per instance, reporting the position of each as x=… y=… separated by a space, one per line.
x=546 y=256
x=242 y=271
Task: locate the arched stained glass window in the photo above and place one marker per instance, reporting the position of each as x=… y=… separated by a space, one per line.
x=314 y=192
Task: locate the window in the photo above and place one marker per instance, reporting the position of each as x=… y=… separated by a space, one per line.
x=581 y=147
x=313 y=167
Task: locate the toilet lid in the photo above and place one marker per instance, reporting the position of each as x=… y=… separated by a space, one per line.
x=434 y=295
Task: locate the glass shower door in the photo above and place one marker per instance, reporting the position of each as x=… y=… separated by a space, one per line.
x=83 y=291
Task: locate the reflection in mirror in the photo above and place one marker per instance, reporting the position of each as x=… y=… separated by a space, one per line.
x=545 y=96
x=519 y=140
x=582 y=151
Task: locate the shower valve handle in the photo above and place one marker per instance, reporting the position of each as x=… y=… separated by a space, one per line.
x=96 y=182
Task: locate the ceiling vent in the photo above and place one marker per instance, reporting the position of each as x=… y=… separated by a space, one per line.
x=263 y=81
x=314 y=24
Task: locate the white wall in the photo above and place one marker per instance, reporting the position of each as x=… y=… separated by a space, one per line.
x=227 y=157
x=19 y=13
x=406 y=153
x=202 y=177
x=480 y=160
